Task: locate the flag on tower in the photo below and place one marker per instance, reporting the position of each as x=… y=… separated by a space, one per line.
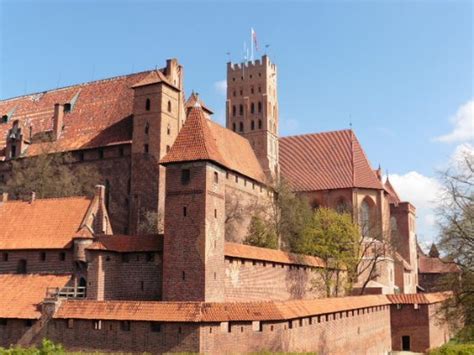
x=254 y=39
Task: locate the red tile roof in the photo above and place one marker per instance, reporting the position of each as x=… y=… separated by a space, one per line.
x=22 y=294
x=427 y=265
x=212 y=312
x=322 y=161
x=154 y=77
x=127 y=243
x=392 y=194
x=42 y=224
x=100 y=116
x=203 y=139
x=193 y=99
x=419 y=298
x=271 y=255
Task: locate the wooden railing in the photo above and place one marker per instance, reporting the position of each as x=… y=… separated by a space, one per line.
x=65 y=292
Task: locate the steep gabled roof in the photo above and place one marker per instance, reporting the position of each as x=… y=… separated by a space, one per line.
x=22 y=294
x=154 y=77
x=323 y=161
x=100 y=115
x=41 y=224
x=202 y=139
x=392 y=194
x=193 y=99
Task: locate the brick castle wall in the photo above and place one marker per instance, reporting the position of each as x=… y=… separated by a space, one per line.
x=247 y=280
x=129 y=276
x=37 y=261
x=141 y=337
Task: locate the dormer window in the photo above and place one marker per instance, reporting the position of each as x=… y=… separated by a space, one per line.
x=148 y=105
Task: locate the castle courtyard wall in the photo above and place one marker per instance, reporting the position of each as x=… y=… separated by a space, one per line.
x=52 y=263
x=351 y=332
x=255 y=280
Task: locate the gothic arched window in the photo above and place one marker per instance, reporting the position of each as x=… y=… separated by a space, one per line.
x=252 y=125
x=365 y=218
x=169 y=106
x=147 y=104
x=252 y=107
x=241 y=110
x=260 y=107
x=233 y=110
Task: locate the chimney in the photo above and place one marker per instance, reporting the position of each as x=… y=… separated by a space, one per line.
x=58 y=120
x=172 y=72
x=32 y=196
x=100 y=223
x=4 y=197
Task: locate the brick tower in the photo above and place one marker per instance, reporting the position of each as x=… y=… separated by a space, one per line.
x=252 y=109
x=193 y=250
x=158 y=115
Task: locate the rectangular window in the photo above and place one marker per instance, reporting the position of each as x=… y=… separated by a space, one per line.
x=146 y=148
x=185 y=212
x=216 y=177
x=70 y=323
x=125 y=258
x=42 y=256
x=150 y=257
x=3 y=321
x=62 y=256
x=125 y=325
x=29 y=322
x=97 y=325
x=155 y=327
x=5 y=256
x=185 y=176
x=101 y=154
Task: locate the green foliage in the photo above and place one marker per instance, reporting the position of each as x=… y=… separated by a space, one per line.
x=50 y=175
x=333 y=237
x=47 y=347
x=291 y=216
x=260 y=235
x=454 y=349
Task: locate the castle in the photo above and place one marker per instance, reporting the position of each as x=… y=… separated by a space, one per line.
x=78 y=271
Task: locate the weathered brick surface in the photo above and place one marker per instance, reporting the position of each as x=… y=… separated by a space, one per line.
x=193 y=264
x=35 y=263
x=340 y=333
x=115 y=276
x=247 y=280
x=172 y=337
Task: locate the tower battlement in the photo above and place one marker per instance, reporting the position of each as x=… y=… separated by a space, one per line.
x=264 y=61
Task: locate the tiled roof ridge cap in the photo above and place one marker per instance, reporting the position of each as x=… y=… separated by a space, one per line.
x=315 y=134
x=51 y=198
x=117 y=77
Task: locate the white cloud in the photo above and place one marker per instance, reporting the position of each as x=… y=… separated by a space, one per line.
x=463 y=122
x=461 y=151
x=422 y=192
x=221 y=87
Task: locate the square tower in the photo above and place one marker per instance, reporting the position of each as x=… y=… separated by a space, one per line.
x=252 y=109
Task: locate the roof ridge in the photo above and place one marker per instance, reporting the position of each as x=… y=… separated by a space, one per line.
x=49 y=199
x=117 y=77
x=316 y=133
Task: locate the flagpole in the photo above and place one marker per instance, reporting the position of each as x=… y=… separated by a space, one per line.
x=251 y=44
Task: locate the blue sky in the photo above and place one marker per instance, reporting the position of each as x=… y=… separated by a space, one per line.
x=398 y=70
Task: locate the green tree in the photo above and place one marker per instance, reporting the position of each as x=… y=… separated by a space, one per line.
x=50 y=175
x=334 y=238
x=260 y=235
